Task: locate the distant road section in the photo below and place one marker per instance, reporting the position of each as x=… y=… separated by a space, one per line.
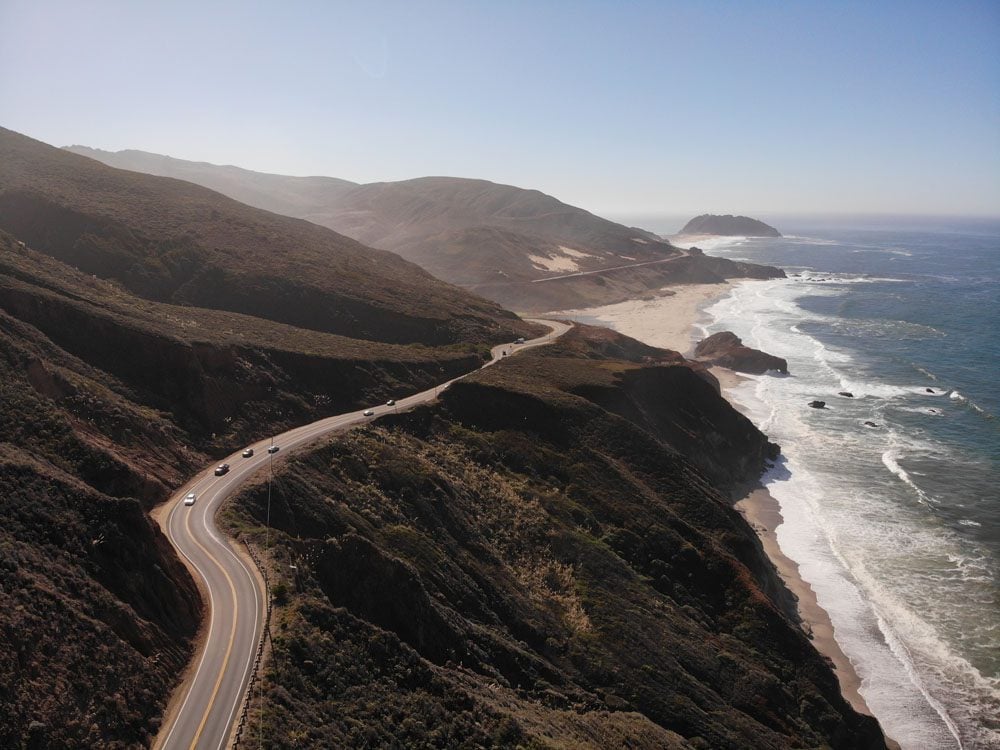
x=213 y=695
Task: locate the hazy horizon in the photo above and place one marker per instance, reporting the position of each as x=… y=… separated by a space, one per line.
x=665 y=109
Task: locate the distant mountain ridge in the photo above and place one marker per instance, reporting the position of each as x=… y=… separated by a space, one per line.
x=729 y=226
x=522 y=248
x=174 y=241
x=428 y=220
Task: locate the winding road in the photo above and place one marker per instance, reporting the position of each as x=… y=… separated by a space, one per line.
x=203 y=711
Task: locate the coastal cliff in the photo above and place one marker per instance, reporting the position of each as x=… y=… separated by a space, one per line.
x=729 y=225
x=545 y=557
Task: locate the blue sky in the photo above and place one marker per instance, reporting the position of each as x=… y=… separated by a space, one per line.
x=666 y=107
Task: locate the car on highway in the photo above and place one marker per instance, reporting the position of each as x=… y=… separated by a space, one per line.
x=189 y=498
x=273 y=449
x=248 y=453
x=221 y=469
x=368 y=413
x=391 y=402
x=519 y=340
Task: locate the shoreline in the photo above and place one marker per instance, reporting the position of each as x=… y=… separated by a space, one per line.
x=675 y=326
x=644 y=319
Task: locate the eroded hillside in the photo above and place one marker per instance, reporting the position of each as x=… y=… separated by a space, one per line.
x=545 y=558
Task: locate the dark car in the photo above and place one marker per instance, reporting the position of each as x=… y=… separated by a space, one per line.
x=248 y=453
x=221 y=469
x=273 y=449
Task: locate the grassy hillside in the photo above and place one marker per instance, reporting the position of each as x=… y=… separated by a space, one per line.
x=496 y=240
x=223 y=377
x=173 y=241
x=547 y=559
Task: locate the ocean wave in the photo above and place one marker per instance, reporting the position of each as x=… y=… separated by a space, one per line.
x=818 y=277
x=881 y=328
x=870 y=517
x=810 y=240
x=963 y=400
x=890 y=458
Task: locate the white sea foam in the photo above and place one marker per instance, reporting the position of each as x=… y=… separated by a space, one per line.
x=880 y=568
x=890 y=458
x=707 y=243
x=810 y=240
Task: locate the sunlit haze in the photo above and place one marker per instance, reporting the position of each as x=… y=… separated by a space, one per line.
x=640 y=108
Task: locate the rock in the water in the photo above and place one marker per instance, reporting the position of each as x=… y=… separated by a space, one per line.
x=869 y=423
x=929 y=390
x=729 y=225
x=817 y=404
x=726 y=349
x=846 y=394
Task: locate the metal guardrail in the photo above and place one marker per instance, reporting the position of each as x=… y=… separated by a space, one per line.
x=254 y=674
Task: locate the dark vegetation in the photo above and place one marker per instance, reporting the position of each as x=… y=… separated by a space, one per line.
x=545 y=558
x=495 y=240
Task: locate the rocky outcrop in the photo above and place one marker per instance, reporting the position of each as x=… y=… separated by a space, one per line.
x=729 y=225
x=727 y=350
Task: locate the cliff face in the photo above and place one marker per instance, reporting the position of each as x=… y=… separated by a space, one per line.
x=730 y=225
x=544 y=558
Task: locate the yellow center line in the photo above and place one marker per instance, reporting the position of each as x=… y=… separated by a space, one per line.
x=232 y=636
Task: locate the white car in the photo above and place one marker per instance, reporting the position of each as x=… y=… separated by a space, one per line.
x=189 y=498
x=368 y=413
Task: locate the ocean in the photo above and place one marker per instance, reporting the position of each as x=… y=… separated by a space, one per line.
x=890 y=496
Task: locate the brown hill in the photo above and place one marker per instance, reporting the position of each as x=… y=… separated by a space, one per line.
x=214 y=371
x=173 y=241
x=520 y=247
x=110 y=402
x=545 y=558
x=97 y=615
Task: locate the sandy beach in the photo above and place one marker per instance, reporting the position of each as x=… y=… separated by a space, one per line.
x=653 y=321
x=671 y=321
